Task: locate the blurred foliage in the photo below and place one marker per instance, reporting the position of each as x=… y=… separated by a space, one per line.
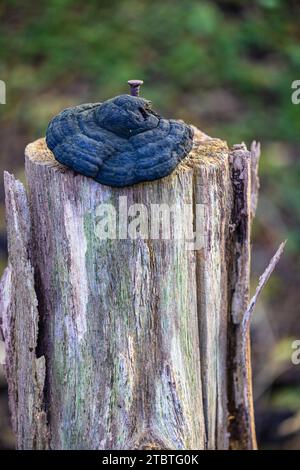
x=184 y=49
x=287 y=398
x=225 y=65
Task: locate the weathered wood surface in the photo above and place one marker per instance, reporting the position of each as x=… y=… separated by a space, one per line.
x=24 y=370
x=125 y=344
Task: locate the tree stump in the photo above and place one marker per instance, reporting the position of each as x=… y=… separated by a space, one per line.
x=130 y=343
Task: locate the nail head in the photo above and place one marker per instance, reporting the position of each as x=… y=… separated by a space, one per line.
x=135 y=86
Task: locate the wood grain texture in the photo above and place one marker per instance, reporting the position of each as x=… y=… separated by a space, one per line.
x=243 y=172
x=25 y=372
x=131 y=341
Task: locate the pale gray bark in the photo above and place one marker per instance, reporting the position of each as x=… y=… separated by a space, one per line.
x=25 y=372
x=125 y=344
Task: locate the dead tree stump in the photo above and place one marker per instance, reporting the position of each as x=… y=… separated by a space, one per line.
x=130 y=343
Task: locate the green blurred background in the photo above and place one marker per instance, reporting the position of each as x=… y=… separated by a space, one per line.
x=225 y=66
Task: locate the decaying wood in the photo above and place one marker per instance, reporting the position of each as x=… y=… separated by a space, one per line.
x=240 y=400
x=261 y=284
x=255 y=156
x=5 y=292
x=130 y=344
x=25 y=372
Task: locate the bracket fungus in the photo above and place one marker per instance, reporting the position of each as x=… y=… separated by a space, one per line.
x=119 y=142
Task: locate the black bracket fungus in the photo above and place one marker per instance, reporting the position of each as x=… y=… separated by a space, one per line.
x=119 y=142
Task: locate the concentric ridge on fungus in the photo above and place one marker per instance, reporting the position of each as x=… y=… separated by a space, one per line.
x=119 y=142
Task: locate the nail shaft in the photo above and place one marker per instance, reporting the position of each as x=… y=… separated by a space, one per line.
x=135 y=86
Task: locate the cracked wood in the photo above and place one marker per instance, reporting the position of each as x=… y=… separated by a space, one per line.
x=128 y=343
